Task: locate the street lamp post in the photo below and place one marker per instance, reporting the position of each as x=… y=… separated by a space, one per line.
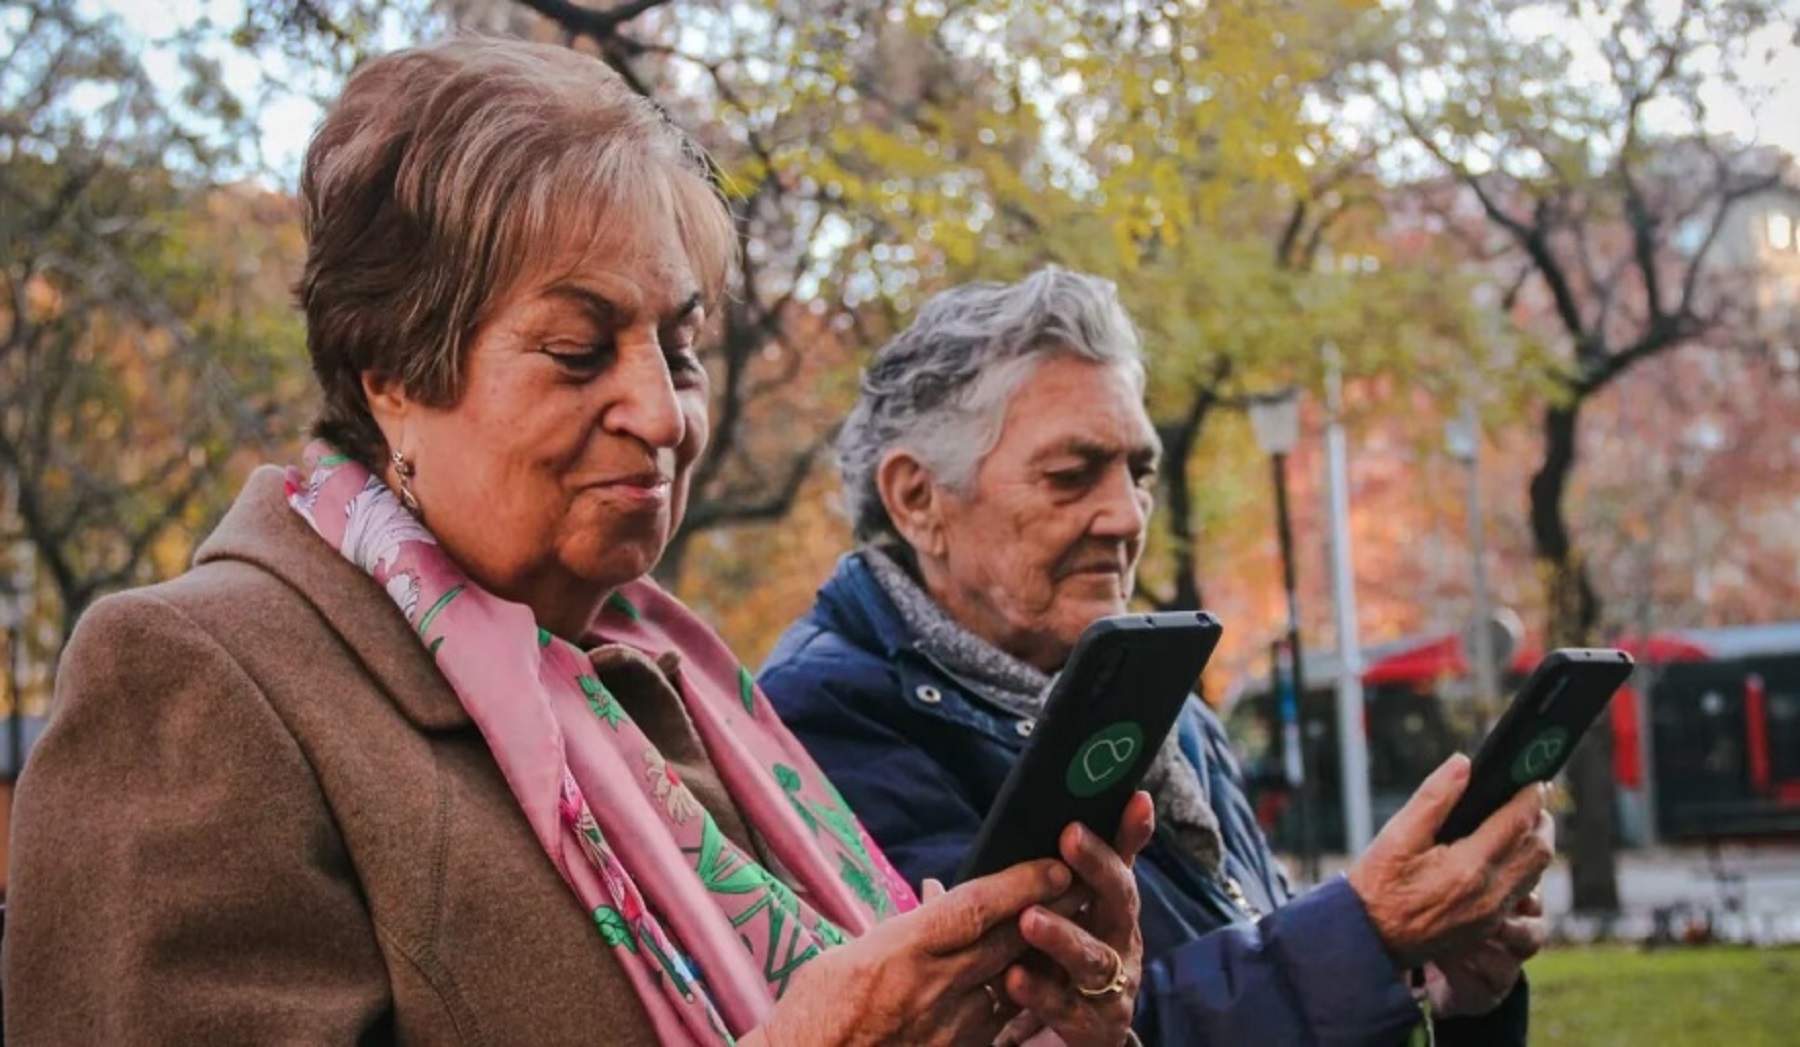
x=1462 y=437
x=1353 y=741
x=1275 y=419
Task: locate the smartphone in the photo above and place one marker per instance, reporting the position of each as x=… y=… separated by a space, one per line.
x=1106 y=716
x=1563 y=697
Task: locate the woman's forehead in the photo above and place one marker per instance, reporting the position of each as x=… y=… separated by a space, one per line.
x=628 y=270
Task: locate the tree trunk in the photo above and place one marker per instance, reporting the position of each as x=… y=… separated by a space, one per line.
x=1179 y=439
x=1573 y=612
x=1179 y=514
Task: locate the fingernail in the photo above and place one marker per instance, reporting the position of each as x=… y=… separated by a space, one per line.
x=1060 y=877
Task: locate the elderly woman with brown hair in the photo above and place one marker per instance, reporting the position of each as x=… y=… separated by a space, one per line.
x=417 y=752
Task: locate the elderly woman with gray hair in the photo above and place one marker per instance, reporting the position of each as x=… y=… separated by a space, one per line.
x=998 y=471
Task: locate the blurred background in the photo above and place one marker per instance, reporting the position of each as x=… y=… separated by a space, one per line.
x=1499 y=299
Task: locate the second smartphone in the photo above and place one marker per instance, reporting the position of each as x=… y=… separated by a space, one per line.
x=1563 y=697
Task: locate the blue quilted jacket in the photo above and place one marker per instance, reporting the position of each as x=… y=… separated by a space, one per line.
x=920 y=758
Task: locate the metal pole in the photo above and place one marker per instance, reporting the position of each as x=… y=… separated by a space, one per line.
x=1487 y=682
x=1287 y=715
x=1284 y=529
x=1643 y=687
x=1353 y=741
x=15 y=680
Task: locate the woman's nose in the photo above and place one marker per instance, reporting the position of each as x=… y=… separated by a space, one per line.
x=1124 y=510
x=643 y=403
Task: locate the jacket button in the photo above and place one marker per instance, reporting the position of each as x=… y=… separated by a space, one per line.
x=928 y=694
x=1025 y=727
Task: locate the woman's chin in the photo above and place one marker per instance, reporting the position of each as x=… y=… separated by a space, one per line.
x=1092 y=596
x=610 y=564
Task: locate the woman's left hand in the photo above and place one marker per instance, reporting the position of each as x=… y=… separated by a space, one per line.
x=1479 y=979
x=1100 y=950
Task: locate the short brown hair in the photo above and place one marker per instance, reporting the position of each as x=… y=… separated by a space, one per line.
x=442 y=176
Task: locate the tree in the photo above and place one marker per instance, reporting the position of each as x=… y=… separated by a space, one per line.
x=140 y=361
x=1604 y=195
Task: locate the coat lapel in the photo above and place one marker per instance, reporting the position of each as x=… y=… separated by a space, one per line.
x=262 y=530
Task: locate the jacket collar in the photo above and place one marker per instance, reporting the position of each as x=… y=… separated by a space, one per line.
x=852 y=602
x=262 y=530
x=854 y=605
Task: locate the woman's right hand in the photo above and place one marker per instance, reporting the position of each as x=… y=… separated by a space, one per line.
x=921 y=977
x=1429 y=900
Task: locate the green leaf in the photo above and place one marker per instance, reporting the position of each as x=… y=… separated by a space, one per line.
x=747 y=690
x=437 y=609
x=601 y=700
x=613 y=928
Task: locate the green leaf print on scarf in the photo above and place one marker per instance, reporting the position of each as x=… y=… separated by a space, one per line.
x=723 y=872
x=614 y=929
x=667 y=963
x=830 y=934
x=625 y=607
x=747 y=690
x=601 y=700
x=438 y=608
x=857 y=869
x=720 y=868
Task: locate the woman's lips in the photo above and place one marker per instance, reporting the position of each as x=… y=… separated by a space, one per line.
x=637 y=487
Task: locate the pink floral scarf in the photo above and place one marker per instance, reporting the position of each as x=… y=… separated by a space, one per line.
x=709 y=937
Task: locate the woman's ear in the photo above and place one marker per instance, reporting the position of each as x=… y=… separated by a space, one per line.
x=913 y=502
x=388 y=403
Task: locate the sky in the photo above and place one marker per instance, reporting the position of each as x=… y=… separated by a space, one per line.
x=287 y=118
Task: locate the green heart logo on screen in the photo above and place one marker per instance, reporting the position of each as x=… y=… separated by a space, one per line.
x=1105 y=758
x=1540 y=757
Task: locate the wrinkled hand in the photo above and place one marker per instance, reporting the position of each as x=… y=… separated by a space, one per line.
x=1430 y=900
x=1079 y=950
x=1480 y=979
x=919 y=977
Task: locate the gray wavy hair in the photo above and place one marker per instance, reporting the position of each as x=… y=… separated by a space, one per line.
x=940 y=389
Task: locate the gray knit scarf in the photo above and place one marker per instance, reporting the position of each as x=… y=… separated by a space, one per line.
x=1183 y=804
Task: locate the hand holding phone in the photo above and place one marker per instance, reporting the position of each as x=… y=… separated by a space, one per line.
x=1107 y=715
x=1563 y=697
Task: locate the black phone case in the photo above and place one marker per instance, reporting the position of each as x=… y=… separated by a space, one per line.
x=1564 y=695
x=1107 y=714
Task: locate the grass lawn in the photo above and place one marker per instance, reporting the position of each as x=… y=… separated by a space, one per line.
x=1601 y=996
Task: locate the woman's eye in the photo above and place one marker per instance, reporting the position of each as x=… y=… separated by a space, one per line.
x=590 y=358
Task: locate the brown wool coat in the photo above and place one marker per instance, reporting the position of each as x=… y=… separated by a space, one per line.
x=260 y=816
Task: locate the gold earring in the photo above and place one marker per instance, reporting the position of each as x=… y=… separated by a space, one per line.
x=404 y=470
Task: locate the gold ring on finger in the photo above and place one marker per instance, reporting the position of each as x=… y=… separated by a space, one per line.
x=1114 y=985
